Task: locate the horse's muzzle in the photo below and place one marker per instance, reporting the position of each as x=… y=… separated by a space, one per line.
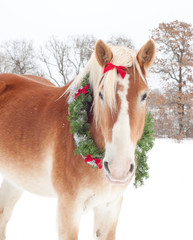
x=120 y=176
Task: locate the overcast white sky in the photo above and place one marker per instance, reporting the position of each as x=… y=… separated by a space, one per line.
x=39 y=19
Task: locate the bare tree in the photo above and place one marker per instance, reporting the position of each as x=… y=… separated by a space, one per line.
x=3 y=67
x=19 y=57
x=65 y=59
x=81 y=50
x=55 y=57
x=121 y=40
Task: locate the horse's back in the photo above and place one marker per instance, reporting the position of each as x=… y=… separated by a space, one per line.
x=26 y=103
x=38 y=79
x=26 y=133
x=7 y=79
x=24 y=98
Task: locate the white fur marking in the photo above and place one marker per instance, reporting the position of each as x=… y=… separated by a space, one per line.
x=121 y=150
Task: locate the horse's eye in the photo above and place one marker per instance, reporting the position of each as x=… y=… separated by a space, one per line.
x=144 y=96
x=100 y=95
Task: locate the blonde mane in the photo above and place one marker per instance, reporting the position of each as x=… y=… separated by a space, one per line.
x=122 y=56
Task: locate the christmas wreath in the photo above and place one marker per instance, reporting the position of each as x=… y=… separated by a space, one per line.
x=80 y=104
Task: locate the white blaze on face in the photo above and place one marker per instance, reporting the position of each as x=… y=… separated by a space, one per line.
x=120 y=152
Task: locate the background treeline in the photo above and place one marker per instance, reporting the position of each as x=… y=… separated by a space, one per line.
x=58 y=60
x=61 y=60
x=173 y=106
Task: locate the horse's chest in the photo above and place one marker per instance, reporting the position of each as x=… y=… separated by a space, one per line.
x=91 y=199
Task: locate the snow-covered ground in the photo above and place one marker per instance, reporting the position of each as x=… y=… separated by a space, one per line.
x=162 y=209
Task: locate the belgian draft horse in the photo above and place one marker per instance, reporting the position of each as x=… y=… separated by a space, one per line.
x=37 y=146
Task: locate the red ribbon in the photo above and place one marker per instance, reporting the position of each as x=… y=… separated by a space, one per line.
x=83 y=90
x=96 y=160
x=120 y=69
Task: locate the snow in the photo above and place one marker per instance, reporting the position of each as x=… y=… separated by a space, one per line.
x=162 y=209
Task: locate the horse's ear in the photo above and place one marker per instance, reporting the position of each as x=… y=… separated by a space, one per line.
x=103 y=53
x=146 y=54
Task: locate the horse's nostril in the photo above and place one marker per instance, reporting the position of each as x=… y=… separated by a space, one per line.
x=106 y=166
x=131 y=168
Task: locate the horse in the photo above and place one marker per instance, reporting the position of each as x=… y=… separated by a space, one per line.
x=37 y=145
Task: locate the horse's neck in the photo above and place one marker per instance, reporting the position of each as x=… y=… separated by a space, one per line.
x=95 y=131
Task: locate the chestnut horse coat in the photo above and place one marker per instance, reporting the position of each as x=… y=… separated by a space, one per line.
x=37 y=147
x=36 y=142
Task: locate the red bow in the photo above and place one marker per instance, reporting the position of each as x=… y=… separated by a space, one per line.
x=120 y=69
x=97 y=161
x=82 y=90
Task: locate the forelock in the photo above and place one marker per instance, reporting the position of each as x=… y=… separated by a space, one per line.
x=122 y=56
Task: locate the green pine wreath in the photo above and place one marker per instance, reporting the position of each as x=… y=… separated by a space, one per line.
x=79 y=109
